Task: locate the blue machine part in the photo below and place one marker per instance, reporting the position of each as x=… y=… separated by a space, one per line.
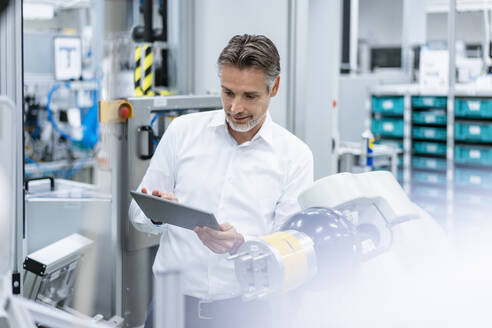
x=90 y=123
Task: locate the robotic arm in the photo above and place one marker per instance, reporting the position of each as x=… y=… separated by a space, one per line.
x=346 y=219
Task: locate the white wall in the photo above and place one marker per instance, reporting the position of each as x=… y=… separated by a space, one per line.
x=216 y=21
x=468 y=27
x=380 y=21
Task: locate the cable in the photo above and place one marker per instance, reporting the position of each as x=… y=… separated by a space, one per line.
x=71 y=172
x=89 y=122
x=68 y=173
x=29 y=160
x=155 y=141
x=50 y=113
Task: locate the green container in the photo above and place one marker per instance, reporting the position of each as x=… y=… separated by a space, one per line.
x=429 y=133
x=429 y=148
x=473 y=131
x=399 y=175
x=387 y=127
x=433 y=178
x=428 y=163
x=429 y=192
x=432 y=117
x=429 y=102
x=473 y=107
x=395 y=143
x=473 y=200
x=473 y=178
x=470 y=215
x=388 y=105
x=473 y=155
x=434 y=209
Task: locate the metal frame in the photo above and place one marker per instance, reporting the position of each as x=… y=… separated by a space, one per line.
x=11 y=85
x=354 y=34
x=407 y=142
x=5 y=120
x=290 y=114
x=450 y=112
x=134 y=250
x=22 y=313
x=181 y=40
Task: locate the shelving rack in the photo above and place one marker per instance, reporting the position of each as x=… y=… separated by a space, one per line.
x=447 y=145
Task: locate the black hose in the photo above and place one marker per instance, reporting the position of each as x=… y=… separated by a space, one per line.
x=147 y=12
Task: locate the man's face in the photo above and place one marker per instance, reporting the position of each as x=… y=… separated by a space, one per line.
x=245 y=97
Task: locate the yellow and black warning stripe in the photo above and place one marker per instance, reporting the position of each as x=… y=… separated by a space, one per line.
x=146 y=89
x=138 y=71
x=147 y=81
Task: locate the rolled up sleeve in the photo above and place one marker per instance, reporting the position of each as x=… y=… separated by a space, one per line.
x=159 y=176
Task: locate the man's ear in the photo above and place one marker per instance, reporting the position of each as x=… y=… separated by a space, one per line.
x=276 y=84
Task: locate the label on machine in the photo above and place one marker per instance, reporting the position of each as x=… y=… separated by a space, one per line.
x=474 y=153
x=387 y=104
x=474 y=105
x=474 y=129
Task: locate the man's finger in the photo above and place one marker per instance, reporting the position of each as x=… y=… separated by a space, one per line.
x=156 y=193
x=225 y=226
x=144 y=190
x=169 y=196
x=220 y=235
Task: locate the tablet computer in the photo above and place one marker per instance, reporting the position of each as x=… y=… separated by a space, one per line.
x=165 y=211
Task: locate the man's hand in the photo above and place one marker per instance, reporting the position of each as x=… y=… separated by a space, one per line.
x=162 y=194
x=227 y=240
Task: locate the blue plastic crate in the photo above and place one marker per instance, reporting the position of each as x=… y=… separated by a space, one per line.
x=388 y=105
x=473 y=200
x=434 y=209
x=400 y=160
x=473 y=155
x=429 y=148
x=473 y=131
x=429 y=102
x=429 y=177
x=429 y=133
x=473 y=178
x=428 y=163
x=473 y=107
x=431 y=117
x=468 y=216
x=395 y=143
x=429 y=192
x=399 y=175
x=388 y=127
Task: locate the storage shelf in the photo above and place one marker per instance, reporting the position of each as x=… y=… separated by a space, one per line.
x=447 y=143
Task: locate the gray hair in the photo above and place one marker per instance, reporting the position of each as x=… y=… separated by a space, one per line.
x=247 y=51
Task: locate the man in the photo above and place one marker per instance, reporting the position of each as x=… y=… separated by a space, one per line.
x=236 y=163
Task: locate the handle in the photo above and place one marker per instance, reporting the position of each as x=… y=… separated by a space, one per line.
x=52 y=182
x=145 y=152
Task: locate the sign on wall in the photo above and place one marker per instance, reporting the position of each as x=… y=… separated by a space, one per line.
x=68 y=58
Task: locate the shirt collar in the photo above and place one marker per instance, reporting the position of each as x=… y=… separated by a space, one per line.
x=265 y=131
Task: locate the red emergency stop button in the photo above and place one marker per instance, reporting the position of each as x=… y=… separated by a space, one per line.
x=124 y=111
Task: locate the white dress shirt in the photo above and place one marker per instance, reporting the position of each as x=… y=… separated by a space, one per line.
x=253 y=186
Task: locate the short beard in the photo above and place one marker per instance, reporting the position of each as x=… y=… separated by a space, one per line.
x=252 y=123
